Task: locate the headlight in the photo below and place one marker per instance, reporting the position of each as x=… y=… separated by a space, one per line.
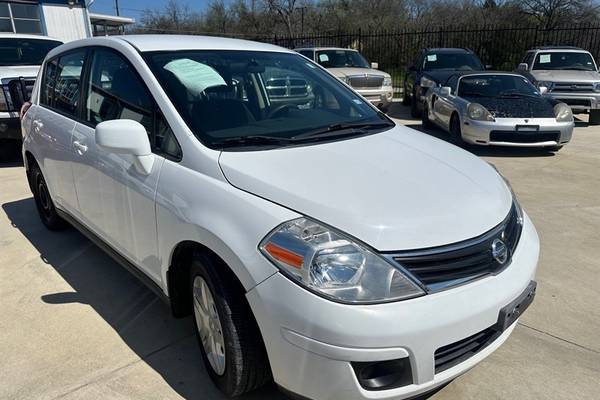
x=426 y=82
x=477 y=112
x=345 y=79
x=514 y=196
x=387 y=81
x=333 y=265
x=546 y=84
x=597 y=87
x=563 y=113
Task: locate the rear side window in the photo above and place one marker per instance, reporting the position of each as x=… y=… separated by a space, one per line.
x=68 y=82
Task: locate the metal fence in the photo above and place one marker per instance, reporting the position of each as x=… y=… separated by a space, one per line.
x=501 y=47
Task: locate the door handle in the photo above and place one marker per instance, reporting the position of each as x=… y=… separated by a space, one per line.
x=80 y=147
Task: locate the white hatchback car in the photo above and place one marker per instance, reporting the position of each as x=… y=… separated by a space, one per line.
x=319 y=242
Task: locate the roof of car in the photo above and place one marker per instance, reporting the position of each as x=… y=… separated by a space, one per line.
x=190 y=42
x=323 y=48
x=25 y=36
x=448 y=50
x=558 y=48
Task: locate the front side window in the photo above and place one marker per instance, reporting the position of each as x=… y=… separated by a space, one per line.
x=15 y=51
x=49 y=83
x=341 y=59
x=68 y=82
x=235 y=95
x=568 y=60
x=496 y=86
x=452 y=61
x=116 y=92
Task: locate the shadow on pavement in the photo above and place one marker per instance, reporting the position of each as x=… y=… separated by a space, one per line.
x=144 y=322
x=398 y=111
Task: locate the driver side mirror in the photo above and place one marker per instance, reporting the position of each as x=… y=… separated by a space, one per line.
x=374 y=65
x=445 y=91
x=125 y=136
x=523 y=67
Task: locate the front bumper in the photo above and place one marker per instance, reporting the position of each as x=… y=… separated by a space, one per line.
x=379 y=97
x=518 y=132
x=578 y=101
x=10 y=128
x=312 y=341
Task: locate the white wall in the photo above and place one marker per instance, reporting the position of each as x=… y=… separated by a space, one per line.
x=65 y=23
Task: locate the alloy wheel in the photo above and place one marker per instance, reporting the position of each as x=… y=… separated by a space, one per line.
x=209 y=325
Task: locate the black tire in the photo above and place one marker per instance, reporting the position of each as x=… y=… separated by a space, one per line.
x=425 y=122
x=405 y=97
x=246 y=363
x=455 y=131
x=43 y=200
x=414 y=107
x=594 y=117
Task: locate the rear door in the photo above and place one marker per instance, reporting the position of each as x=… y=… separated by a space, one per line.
x=54 y=122
x=115 y=199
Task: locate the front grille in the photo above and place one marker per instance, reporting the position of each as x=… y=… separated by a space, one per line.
x=576 y=102
x=457 y=352
x=365 y=81
x=524 y=137
x=451 y=265
x=573 y=88
x=287 y=87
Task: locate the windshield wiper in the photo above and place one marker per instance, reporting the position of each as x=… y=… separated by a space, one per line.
x=337 y=129
x=473 y=94
x=251 y=140
x=577 y=69
x=509 y=93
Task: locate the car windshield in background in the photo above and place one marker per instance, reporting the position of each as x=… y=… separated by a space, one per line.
x=246 y=98
x=24 y=51
x=341 y=59
x=496 y=86
x=569 y=60
x=455 y=61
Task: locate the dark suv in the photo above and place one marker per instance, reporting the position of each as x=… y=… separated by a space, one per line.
x=432 y=67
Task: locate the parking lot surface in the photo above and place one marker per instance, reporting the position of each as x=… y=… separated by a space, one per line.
x=75 y=325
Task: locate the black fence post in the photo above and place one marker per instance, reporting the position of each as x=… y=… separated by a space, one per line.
x=360 y=46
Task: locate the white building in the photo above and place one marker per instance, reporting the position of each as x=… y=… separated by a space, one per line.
x=61 y=19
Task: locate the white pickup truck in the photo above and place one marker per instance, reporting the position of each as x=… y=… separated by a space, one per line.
x=20 y=60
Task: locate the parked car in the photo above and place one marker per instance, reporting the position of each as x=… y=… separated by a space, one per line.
x=20 y=59
x=432 y=67
x=352 y=68
x=570 y=74
x=498 y=108
x=307 y=243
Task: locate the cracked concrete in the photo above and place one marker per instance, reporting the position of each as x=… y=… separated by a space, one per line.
x=74 y=325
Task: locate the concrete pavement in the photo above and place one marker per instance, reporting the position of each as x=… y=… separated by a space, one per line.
x=75 y=325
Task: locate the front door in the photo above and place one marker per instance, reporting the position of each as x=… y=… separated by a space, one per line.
x=115 y=199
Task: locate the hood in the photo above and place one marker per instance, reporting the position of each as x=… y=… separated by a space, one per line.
x=442 y=75
x=396 y=190
x=522 y=107
x=343 y=72
x=25 y=71
x=566 y=76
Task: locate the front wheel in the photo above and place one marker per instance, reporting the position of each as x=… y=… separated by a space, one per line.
x=43 y=201
x=594 y=117
x=414 y=107
x=425 y=121
x=230 y=341
x=456 y=132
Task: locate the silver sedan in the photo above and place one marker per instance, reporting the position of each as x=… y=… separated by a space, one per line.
x=496 y=108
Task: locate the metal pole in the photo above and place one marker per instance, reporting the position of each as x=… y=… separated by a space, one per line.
x=117 y=7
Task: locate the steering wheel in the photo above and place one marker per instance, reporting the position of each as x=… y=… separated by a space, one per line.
x=280 y=108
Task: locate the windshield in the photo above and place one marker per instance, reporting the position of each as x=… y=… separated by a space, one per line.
x=341 y=59
x=571 y=60
x=496 y=86
x=234 y=95
x=16 y=51
x=452 y=61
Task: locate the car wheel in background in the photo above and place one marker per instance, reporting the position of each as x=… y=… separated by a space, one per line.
x=43 y=201
x=455 y=131
x=594 y=117
x=405 y=97
x=425 y=122
x=230 y=341
x=414 y=108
